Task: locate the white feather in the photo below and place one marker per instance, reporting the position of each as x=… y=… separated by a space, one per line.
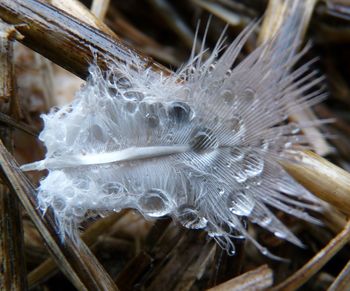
x=202 y=145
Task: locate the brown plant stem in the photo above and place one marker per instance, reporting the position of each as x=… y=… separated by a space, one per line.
x=324 y=179
x=64 y=39
x=316 y=263
x=12 y=263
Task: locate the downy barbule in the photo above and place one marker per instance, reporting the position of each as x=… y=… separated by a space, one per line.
x=202 y=145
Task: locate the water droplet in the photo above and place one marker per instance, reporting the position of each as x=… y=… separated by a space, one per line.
x=240 y=203
x=253 y=165
x=192 y=70
x=234 y=124
x=240 y=176
x=264 y=144
x=59 y=204
x=264 y=219
x=134 y=95
x=131 y=106
x=249 y=94
x=82 y=184
x=236 y=154
x=97 y=133
x=69 y=109
x=54 y=109
x=211 y=68
x=203 y=139
x=190 y=217
x=124 y=83
x=78 y=211
x=154 y=203
x=112 y=188
x=217 y=84
x=62 y=115
x=113 y=91
x=180 y=111
x=152 y=120
x=228 y=96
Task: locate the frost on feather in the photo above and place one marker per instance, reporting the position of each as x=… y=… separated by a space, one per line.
x=201 y=145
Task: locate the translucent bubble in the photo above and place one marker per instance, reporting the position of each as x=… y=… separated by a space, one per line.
x=261 y=217
x=240 y=175
x=228 y=96
x=235 y=124
x=134 y=95
x=97 y=132
x=82 y=184
x=221 y=191
x=192 y=70
x=180 y=111
x=54 y=109
x=236 y=154
x=124 y=83
x=190 y=217
x=59 y=204
x=253 y=165
x=249 y=94
x=240 y=203
x=112 y=188
x=203 y=139
x=211 y=68
x=113 y=90
x=131 y=106
x=62 y=115
x=78 y=211
x=264 y=144
x=154 y=203
x=152 y=120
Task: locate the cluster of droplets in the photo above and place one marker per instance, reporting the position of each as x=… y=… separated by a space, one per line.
x=221 y=164
x=221 y=131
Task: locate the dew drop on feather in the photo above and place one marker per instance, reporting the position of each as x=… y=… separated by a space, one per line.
x=190 y=217
x=228 y=96
x=253 y=165
x=131 y=106
x=240 y=203
x=124 y=83
x=134 y=95
x=59 y=204
x=154 y=203
x=79 y=211
x=203 y=139
x=236 y=154
x=181 y=112
x=112 y=188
